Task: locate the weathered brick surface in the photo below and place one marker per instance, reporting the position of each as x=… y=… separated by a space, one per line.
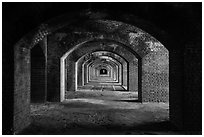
x=133 y=76
x=155 y=77
x=22 y=87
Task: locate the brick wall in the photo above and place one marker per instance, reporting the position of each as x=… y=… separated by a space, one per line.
x=38 y=93
x=133 y=76
x=53 y=70
x=193 y=82
x=22 y=87
x=155 y=77
x=7 y=88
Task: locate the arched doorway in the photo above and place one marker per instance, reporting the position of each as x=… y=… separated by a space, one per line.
x=103 y=71
x=38 y=75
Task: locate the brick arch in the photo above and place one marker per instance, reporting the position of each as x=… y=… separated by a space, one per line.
x=112 y=62
x=149 y=48
x=91 y=46
x=135 y=40
x=119 y=58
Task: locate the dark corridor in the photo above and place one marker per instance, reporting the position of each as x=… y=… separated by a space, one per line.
x=150 y=49
x=38 y=85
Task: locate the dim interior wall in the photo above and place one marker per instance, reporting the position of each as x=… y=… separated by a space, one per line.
x=7 y=88
x=125 y=75
x=193 y=84
x=38 y=75
x=176 y=96
x=22 y=80
x=84 y=74
x=21 y=86
x=155 y=76
x=133 y=75
x=53 y=69
x=70 y=75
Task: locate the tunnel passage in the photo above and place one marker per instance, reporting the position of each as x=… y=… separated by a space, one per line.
x=88 y=59
x=93 y=66
x=91 y=69
x=120 y=59
x=103 y=71
x=143 y=54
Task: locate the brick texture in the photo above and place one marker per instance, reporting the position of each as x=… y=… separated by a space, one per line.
x=22 y=88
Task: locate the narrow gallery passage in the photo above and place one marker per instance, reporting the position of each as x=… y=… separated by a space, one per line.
x=106 y=86
x=95 y=76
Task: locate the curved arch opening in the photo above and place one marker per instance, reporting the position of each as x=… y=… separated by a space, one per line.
x=103 y=71
x=131 y=59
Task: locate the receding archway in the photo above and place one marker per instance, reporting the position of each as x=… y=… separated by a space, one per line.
x=132 y=81
x=103 y=71
x=150 y=52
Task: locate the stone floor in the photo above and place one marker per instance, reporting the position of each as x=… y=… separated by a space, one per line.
x=93 y=115
x=103 y=95
x=101 y=88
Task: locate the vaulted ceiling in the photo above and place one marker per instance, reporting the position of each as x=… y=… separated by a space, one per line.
x=184 y=18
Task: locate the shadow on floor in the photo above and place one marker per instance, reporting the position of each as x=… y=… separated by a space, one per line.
x=94 y=118
x=128 y=100
x=145 y=129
